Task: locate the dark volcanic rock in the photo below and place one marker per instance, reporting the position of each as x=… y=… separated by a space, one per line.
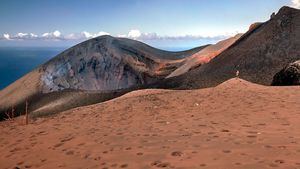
x=288 y=76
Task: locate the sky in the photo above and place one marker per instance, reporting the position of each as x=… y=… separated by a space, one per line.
x=160 y=23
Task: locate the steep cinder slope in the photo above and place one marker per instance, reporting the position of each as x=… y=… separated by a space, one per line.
x=104 y=65
x=204 y=56
x=258 y=55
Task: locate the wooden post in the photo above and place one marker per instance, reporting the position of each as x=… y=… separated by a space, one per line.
x=26 y=113
x=12 y=112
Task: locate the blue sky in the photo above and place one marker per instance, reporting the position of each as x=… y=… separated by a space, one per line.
x=165 y=23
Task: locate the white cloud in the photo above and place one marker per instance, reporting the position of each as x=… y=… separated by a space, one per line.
x=6 y=36
x=296 y=3
x=24 y=36
x=21 y=35
x=138 y=35
x=122 y=36
x=56 y=34
x=77 y=36
x=33 y=35
x=45 y=34
x=101 y=34
x=134 y=34
x=71 y=36
x=88 y=35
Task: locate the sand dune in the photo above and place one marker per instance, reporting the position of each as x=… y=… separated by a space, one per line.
x=234 y=125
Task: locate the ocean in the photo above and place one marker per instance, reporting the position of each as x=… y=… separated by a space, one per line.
x=16 y=62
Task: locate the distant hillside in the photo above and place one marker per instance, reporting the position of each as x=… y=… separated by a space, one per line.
x=258 y=55
x=104 y=67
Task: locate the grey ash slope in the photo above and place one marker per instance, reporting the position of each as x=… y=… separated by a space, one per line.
x=258 y=55
x=90 y=72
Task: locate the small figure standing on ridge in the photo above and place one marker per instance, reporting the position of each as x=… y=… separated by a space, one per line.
x=237 y=73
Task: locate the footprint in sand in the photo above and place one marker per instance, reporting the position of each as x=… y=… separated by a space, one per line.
x=128 y=148
x=160 y=164
x=41 y=133
x=251 y=136
x=70 y=152
x=165 y=147
x=226 y=151
x=124 y=166
x=273 y=165
x=97 y=158
x=202 y=165
x=139 y=154
x=224 y=131
x=177 y=154
x=155 y=163
x=81 y=144
x=20 y=163
x=268 y=146
x=58 y=145
x=245 y=125
x=114 y=165
x=18 y=141
x=68 y=138
x=43 y=160
x=27 y=166
x=279 y=161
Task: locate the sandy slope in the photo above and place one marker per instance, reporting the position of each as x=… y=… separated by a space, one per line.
x=234 y=125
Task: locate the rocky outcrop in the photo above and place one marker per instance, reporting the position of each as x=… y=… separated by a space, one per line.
x=288 y=76
x=254 y=26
